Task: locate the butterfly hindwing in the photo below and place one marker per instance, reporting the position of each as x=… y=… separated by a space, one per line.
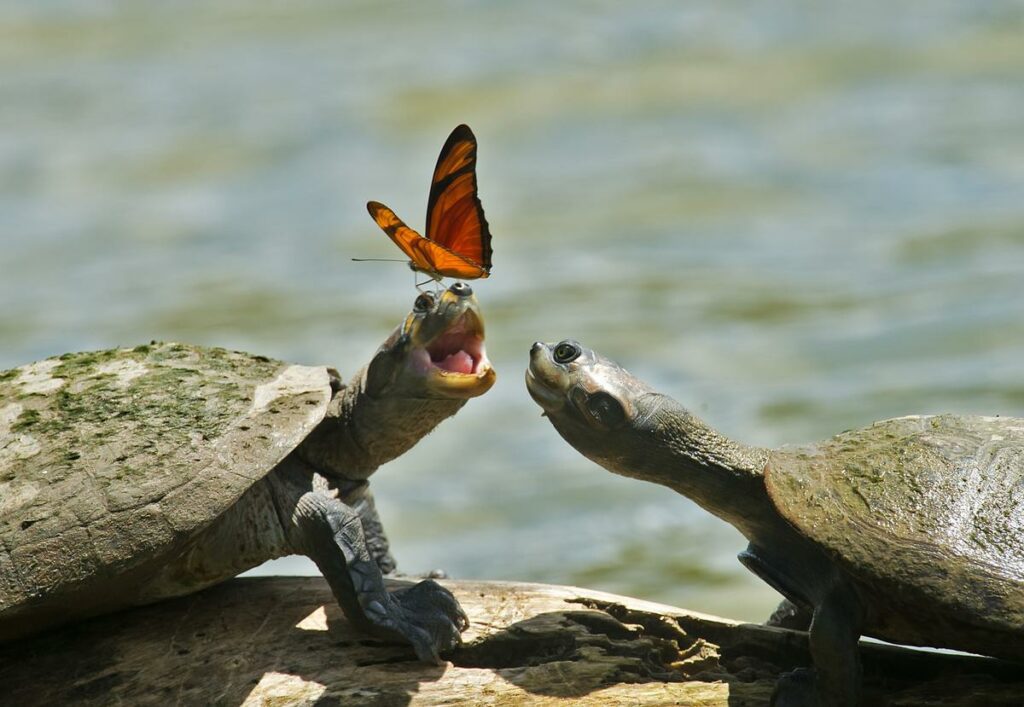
x=403 y=236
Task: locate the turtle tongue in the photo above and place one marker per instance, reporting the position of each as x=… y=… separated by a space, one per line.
x=458 y=362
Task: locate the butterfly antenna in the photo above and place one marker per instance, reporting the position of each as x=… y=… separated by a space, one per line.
x=378 y=260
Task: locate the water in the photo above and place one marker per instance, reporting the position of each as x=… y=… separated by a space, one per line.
x=797 y=219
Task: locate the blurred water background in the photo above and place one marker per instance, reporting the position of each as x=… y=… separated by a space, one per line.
x=797 y=217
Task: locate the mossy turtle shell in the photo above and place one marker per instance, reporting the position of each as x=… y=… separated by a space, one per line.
x=113 y=459
x=929 y=511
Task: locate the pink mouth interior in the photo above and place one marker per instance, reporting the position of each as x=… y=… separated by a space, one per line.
x=455 y=351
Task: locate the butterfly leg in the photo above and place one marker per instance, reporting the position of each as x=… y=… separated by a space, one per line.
x=436 y=282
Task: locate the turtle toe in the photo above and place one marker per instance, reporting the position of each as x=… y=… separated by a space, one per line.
x=429 y=617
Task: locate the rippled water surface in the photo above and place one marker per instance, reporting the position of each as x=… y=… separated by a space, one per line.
x=795 y=218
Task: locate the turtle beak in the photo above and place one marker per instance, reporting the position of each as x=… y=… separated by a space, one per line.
x=545 y=381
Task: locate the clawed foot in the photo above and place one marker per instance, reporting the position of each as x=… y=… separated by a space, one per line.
x=795 y=689
x=426 y=615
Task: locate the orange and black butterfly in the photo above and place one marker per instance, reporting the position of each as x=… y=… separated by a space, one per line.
x=457 y=242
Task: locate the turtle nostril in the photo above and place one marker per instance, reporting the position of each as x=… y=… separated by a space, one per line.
x=537 y=346
x=461 y=289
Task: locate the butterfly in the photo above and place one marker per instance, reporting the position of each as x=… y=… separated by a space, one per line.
x=457 y=242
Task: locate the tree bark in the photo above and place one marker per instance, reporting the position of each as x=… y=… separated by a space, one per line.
x=283 y=641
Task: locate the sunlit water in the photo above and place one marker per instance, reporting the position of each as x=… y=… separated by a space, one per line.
x=796 y=219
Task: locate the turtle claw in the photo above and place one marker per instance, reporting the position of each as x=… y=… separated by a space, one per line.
x=426 y=615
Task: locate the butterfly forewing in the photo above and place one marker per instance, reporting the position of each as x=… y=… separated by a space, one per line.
x=426 y=256
x=455 y=216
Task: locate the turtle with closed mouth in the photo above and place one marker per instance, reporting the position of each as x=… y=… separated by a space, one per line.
x=132 y=475
x=910 y=530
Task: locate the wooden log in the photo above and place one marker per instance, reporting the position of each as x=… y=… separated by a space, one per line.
x=283 y=641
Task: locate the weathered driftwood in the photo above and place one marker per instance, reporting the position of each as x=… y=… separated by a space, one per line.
x=283 y=641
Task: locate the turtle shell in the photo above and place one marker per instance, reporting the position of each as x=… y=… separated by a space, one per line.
x=112 y=458
x=925 y=512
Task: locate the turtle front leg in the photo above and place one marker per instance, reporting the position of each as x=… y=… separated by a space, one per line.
x=373 y=531
x=836 y=677
x=377 y=541
x=425 y=615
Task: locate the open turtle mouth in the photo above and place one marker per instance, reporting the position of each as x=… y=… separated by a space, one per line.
x=457 y=351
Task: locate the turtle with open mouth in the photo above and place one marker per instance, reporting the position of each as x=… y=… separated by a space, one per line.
x=132 y=475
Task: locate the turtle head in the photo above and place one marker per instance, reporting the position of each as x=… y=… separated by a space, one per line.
x=437 y=352
x=421 y=375
x=621 y=423
x=597 y=406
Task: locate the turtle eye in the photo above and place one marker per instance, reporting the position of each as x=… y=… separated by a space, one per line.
x=605 y=409
x=424 y=303
x=567 y=351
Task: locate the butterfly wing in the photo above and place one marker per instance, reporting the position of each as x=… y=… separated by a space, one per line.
x=404 y=237
x=455 y=217
x=425 y=255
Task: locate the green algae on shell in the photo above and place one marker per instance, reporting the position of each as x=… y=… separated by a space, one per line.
x=110 y=457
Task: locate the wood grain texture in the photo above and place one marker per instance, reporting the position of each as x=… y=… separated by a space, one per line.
x=282 y=641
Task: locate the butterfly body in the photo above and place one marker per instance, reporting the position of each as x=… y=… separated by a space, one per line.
x=457 y=241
